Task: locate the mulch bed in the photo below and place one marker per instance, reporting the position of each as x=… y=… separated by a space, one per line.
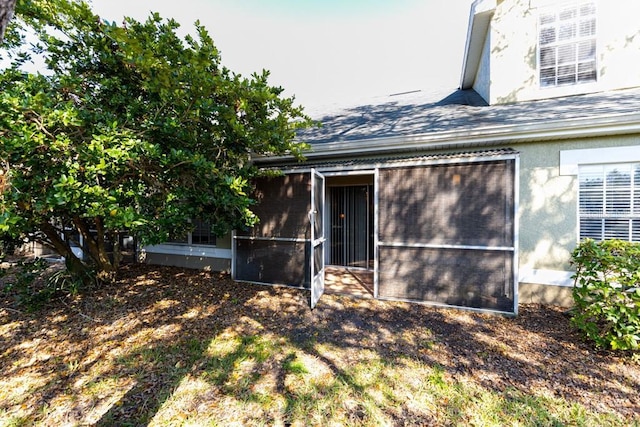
x=537 y=351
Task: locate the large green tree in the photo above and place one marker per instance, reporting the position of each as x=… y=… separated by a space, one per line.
x=129 y=129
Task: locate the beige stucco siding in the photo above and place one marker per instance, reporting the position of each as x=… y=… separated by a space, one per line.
x=482 y=82
x=543 y=294
x=548 y=202
x=513 y=37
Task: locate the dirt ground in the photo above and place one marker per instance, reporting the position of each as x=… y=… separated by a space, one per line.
x=537 y=351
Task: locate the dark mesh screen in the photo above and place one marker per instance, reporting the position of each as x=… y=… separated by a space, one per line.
x=268 y=261
x=318 y=197
x=318 y=263
x=470 y=204
x=459 y=204
x=283 y=206
x=465 y=278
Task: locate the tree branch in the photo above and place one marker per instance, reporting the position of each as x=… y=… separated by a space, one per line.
x=7 y=7
x=35 y=118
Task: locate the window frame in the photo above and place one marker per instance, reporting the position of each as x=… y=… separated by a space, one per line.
x=613 y=208
x=571 y=44
x=188 y=241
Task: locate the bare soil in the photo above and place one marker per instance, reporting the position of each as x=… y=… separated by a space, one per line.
x=44 y=355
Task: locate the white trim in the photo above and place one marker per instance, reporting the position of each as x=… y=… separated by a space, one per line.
x=571 y=159
x=234 y=250
x=272 y=239
x=516 y=234
x=479 y=21
x=457 y=307
x=358 y=172
x=188 y=250
x=444 y=246
x=546 y=277
x=376 y=233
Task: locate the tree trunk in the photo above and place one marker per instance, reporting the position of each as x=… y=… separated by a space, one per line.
x=74 y=265
x=96 y=247
x=7 y=8
x=117 y=250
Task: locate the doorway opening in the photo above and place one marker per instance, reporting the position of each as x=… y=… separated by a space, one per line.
x=350 y=235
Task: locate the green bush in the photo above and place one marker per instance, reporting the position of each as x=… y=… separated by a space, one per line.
x=606 y=293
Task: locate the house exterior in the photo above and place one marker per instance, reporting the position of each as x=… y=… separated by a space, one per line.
x=471 y=199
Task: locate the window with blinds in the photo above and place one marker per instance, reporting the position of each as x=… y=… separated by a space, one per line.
x=609 y=201
x=567 y=44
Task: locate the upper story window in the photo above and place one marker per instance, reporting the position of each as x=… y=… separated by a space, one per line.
x=201 y=235
x=609 y=200
x=567 y=44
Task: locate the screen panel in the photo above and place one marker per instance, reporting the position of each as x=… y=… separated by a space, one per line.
x=268 y=261
x=283 y=205
x=447 y=234
x=277 y=249
x=449 y=204
x=465 y=278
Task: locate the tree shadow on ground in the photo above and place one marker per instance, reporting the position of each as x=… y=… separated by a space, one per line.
x=119 y=355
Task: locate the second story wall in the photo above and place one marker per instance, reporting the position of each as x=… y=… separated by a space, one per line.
x=605 y=56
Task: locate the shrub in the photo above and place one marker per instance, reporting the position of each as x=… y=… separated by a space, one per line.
x=33 y=283
x=606 y=293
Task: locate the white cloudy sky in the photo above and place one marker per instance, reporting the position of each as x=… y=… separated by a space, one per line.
x=327 y=51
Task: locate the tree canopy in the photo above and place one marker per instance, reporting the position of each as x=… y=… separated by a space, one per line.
x=128 y=129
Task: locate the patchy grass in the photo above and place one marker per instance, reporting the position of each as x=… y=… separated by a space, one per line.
x=167 y=346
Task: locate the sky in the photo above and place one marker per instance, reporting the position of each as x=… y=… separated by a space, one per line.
x=326 y=52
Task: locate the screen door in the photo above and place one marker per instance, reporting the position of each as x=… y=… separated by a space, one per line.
x=318 y=240
x=278 y=249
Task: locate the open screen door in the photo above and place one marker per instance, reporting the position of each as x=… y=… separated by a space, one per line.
x=318 y=240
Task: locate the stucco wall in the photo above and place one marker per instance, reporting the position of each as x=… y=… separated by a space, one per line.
x=214 y=258
x=544 y=294
x=513 y=37
x=195 y=262
x=548 y=205
x=482 y=82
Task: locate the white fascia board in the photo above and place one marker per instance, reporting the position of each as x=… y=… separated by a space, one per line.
x=482 y=136
x=479 y=20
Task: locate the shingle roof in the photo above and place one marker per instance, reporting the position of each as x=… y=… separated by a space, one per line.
x=418 y=114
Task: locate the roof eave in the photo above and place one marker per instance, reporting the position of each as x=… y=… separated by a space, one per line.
x=479 y=20
x=478 y=137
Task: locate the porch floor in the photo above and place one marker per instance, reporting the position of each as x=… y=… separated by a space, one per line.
x=346 y=281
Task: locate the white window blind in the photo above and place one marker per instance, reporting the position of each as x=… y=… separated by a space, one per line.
x=609 y=201
x=567 y=44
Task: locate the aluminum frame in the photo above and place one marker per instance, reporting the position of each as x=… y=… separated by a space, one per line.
x=373 y=168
